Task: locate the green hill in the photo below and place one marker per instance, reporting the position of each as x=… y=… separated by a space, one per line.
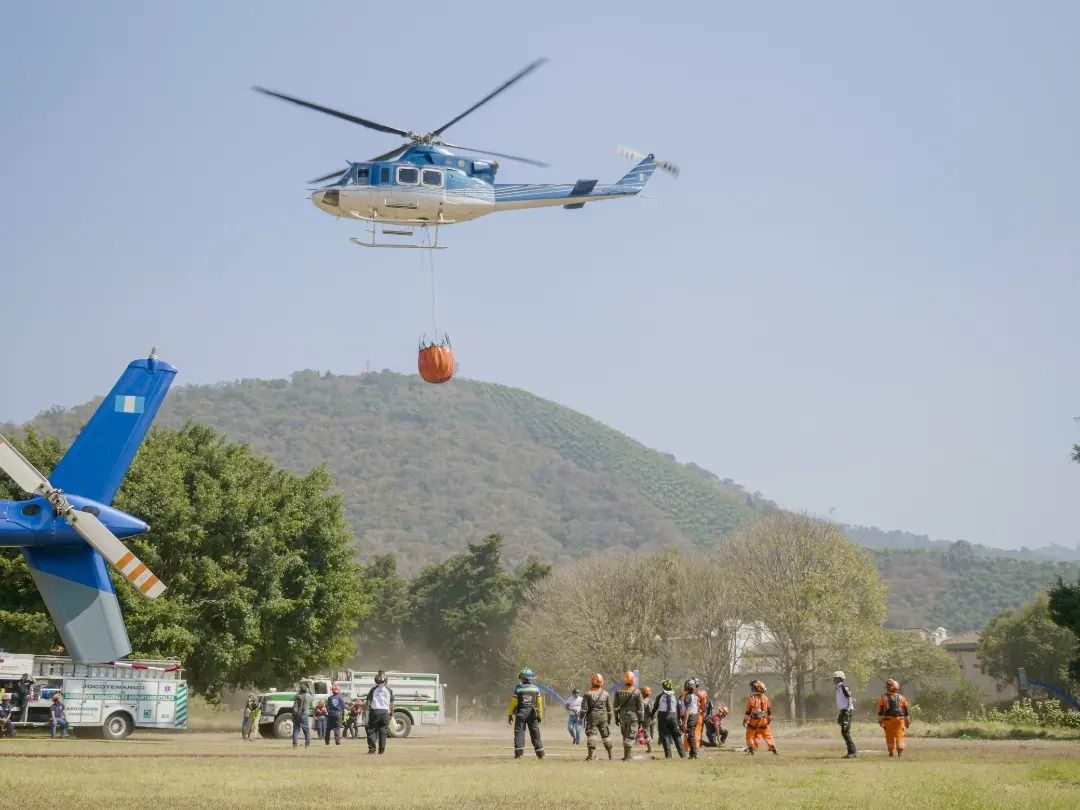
x=423 y=469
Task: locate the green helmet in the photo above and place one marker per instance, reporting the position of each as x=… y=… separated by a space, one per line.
x=526 y=674
x=667 y=685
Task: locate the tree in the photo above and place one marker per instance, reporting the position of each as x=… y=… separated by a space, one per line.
x=818 y=594
x=381 y=633
x=708 y=613
x=608 y=613
x=261 y=582
x=916 y=663
x=1065 y=612
x=462 y=610
x=1029 y=638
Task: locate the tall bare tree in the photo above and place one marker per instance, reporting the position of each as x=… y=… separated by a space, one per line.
x=607 y=613
x=818 y=594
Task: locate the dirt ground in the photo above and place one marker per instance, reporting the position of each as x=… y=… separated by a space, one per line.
x=472 y=766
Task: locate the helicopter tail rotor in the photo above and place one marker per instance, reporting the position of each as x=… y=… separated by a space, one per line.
x=633 y=154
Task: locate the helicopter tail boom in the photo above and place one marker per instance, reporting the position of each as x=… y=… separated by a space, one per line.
x=510 y=197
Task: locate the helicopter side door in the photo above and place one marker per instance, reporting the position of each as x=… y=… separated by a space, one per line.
x=402 y=197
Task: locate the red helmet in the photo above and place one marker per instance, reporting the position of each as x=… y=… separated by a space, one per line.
x=629 y=678
x=757 y=686
x=892 y=686
x=597 y=679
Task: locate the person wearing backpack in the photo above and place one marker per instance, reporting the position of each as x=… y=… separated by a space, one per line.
x=300 y=721
x=596 y=713
x=893 y=716
x=629 y=711
x=757 y=719
x=666 y=712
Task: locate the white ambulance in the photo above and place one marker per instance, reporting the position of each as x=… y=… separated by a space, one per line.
x=113 y=698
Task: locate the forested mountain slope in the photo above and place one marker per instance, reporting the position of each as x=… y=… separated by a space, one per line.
x=423 y=469
x=960 y=589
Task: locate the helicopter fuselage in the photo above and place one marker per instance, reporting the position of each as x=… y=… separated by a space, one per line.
x=431 y=185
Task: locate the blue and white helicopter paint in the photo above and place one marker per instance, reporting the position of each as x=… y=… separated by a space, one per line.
x=424 y=182
x=64 y=536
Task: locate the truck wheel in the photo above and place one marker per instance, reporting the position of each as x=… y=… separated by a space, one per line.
x=116 y=727
x=400 y=725
x=283 y=726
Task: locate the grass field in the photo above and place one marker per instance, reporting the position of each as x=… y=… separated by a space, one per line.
x=473 y=767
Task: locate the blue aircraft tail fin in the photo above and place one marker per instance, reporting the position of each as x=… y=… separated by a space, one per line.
x=640 y=174
x=96 y=463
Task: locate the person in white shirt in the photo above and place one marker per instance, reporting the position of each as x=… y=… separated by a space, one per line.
x=573 y=722
x=845 y=704
x=380 y=707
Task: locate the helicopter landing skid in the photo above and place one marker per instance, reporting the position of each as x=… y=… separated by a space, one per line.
x=400 y=227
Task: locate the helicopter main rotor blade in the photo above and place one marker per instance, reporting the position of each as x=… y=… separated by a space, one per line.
x=497 y=154
x=393 y=153
x=329 y=176
x=364 y=122
x=516 y=77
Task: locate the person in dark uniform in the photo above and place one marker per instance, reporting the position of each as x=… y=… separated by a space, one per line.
x=526 y=711
x=352 y=721
x=650 y=719
x=380 y=708
x=596 y=712
x=666 y=711
x=300 y=721
x=335 y=710
x=629 y=713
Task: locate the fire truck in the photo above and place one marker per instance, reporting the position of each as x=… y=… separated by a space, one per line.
x=113 y=699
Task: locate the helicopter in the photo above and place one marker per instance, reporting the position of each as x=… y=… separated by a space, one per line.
x=424 y=182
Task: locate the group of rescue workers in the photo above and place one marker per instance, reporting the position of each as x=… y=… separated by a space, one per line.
x=681 y=718
x=58 y=721
x=334 y=716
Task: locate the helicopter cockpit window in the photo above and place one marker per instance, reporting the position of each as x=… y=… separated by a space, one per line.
x=433 y=178
x=363 y=175
x=408 y=176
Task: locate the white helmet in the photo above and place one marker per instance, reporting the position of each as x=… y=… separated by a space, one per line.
x=838 y=674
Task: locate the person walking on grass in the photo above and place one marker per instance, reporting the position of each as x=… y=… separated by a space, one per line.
x=893 y=717
x=573 y=721
x=629 y=711
x=300 y=707
x=250 y=723
x=380 y=708
x=845 y=705
x=757 y=719
x=649 y=725
x=7 y=717
x=596 y=713
x=526 y=712
x=666 y=712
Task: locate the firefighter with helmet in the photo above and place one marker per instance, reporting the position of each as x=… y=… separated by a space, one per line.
x=596 y=713
x=629 y=712
x=690 y=714
x=893 y=716
x=758 y=718
x=526 y=711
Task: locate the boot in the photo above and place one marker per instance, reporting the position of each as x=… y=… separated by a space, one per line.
x=607 y=745
x=626 y=749
x=540 y=754
x=773 y=749
x=899 y=752
x=592 y=753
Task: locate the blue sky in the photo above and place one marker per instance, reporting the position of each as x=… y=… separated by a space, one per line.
x=860 y=294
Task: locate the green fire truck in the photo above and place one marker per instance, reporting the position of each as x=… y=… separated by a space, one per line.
x=418 y=699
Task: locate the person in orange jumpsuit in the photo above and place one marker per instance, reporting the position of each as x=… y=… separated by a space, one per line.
x=757 y=719
x=893 y=716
